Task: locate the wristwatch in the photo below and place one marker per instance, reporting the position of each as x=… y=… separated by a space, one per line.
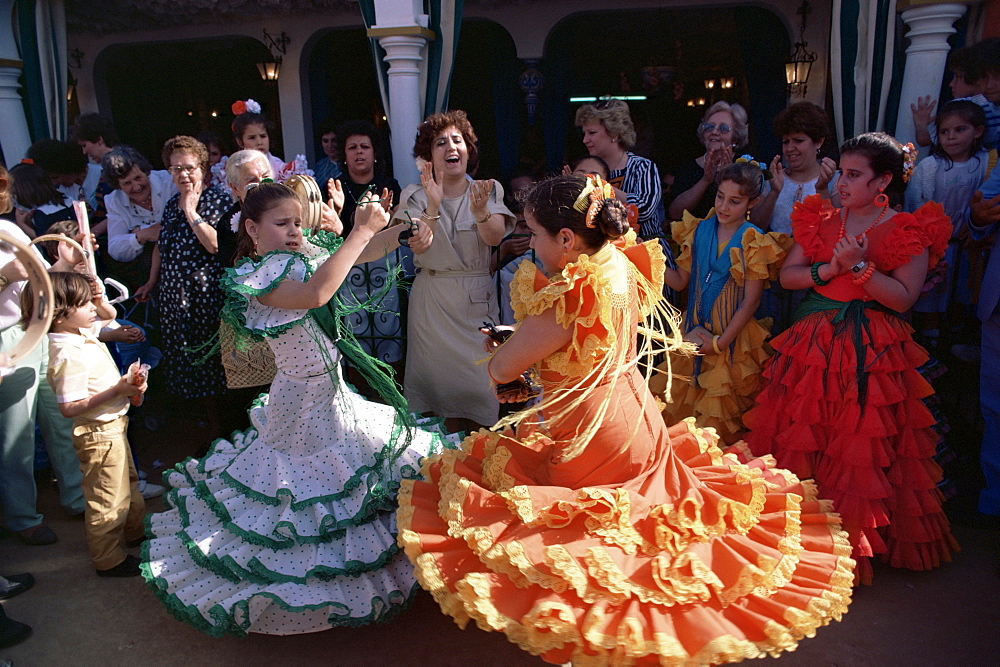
x=197 y=221
x=859 y=267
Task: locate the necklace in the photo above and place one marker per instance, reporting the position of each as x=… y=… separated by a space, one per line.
x=843 y=222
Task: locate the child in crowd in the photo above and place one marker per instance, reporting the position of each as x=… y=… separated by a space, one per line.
x=957 y=166
x=77 y=179
x=37 y=202
x=90 y=390
x=726 y=260
x=252 y=130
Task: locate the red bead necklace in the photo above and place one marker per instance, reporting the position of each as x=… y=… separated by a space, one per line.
x=843 y=222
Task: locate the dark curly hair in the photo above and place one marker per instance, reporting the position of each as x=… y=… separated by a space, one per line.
x=58 y=157
x=93 y=126
x=551 y=202
x=437 y=123
x=362 y=128
x=183 y=143
x=805 y=117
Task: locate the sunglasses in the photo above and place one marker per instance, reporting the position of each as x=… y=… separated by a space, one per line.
x=601 y=105
x=712 y=127
x=188 y=168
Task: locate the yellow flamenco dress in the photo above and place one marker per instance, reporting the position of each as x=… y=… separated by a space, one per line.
x=716 y=389
x=591 y=532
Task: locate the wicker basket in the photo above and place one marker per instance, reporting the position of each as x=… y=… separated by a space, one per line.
x=246 y=365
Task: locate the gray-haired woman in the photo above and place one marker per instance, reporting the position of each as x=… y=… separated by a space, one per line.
x=135 y=211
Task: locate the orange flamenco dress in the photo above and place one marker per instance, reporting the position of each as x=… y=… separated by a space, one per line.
x=718 y=388
x=592 y=532
x=842 y=400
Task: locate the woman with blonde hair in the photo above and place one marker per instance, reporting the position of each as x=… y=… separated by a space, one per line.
x=608 y=133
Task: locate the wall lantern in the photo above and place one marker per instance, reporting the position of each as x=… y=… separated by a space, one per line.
x=798 y=66
x=726 y=82
x=709 y=83
x=277 y=44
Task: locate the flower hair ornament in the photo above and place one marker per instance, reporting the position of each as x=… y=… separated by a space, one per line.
x=909 y=160
x=591 y=200
x=241 y=107
x=746 y=157
x=251 y=186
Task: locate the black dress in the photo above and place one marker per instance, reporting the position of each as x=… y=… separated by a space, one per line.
x=189 y=297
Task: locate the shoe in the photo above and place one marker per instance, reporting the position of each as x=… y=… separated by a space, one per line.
x=37 y=536
x=12 y=632
x=149 y=490
x=127 y=568
x=19 y=583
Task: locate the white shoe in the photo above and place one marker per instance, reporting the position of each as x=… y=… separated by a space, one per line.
x=148 y=490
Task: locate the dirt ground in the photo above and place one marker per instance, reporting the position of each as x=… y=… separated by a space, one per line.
x=949 y=616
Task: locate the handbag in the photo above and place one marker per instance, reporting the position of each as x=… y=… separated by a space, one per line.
x=247 y=363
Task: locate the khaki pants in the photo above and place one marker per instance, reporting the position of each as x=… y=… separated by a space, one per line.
x=115 y=508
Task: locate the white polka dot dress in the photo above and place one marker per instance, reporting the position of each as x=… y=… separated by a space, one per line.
x=289 y=528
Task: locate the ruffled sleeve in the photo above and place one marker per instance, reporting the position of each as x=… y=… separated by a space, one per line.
x=250 y=279
x=936 y=228
x=808 y=217
x=321 y=244
x=581 y=297
x=762 y=253
x=650 y=263
x=683 y=233
x=926 y=228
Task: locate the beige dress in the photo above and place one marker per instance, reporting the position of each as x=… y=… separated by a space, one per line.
x=453 y=294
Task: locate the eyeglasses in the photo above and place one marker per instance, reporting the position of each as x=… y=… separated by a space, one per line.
x=178 y=168
x=712 y=127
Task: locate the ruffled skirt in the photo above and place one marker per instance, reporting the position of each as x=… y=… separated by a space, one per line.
x=688 y=556
x=290 y=527
x=873 y=460
x=723 y=389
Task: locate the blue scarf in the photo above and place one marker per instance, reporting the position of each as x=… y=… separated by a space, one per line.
x=708 y=272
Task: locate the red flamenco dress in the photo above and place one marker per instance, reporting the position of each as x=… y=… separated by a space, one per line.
x=592 y=532
x=842 y=397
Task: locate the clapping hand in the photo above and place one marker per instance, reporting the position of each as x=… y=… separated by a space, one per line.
x=777 y=175
x=849 y=252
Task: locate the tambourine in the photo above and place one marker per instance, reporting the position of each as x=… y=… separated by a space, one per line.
x=123 y=294
x=310 y=197
x=41 y=286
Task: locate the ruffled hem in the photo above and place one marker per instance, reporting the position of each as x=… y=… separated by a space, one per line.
x=231 y=558
x=875 y=462
x=743 y=563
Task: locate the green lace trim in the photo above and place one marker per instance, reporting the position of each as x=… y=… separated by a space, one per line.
x=224 y=622
x=228 y=568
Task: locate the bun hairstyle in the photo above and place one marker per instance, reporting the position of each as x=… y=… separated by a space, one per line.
x=747 y=175
x=885 y=156
x=260 y=199
x=552 y=204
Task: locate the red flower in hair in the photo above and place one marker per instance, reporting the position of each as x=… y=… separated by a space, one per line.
x=239 y=107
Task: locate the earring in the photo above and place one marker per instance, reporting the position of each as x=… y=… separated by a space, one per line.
x=881 y=199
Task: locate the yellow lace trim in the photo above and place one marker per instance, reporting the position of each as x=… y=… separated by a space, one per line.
x=763 y=255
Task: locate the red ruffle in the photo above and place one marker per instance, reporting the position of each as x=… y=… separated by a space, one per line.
x=809 y=217
x=874 y=461
x=936 y=228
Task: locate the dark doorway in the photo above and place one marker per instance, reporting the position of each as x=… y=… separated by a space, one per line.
x=156 y=91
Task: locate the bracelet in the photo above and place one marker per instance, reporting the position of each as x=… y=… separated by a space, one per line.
x=815 y=275
x=197 y=221
x=715 y=344
x=427 y=216
x=486 y=219
x=863 y=278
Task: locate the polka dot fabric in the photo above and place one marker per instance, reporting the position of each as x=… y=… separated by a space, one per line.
x=289 y=527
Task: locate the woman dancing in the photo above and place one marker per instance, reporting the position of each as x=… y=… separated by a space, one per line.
x=592 y=531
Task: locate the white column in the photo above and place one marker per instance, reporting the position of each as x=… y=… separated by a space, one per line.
x=929 y=29
x=404 y=54
x=14 y=134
